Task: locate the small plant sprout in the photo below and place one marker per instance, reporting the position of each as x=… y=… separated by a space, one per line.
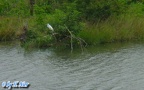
x=50 y=27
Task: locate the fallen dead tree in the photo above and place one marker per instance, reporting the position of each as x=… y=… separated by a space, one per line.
x=82 y=42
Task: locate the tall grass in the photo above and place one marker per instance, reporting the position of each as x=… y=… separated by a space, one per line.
x=10 y=27
x=121 y=29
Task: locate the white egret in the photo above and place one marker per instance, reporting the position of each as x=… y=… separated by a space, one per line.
x=50 y=27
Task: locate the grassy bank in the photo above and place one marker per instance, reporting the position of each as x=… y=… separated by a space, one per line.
x=13 y=27
x=114 y=30
x=122 y=29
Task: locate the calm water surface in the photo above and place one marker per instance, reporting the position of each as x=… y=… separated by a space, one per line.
x=109 y=67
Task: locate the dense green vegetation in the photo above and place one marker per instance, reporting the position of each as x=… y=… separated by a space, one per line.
x=75 y=22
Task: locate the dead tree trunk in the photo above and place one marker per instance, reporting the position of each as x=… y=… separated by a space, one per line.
x=32 y=2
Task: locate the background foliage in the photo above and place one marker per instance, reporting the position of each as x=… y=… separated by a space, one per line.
x=84 y=18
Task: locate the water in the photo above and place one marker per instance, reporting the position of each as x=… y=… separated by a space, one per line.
x=109 y=67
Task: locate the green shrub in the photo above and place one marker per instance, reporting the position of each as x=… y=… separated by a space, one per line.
x=95 y=10
x=68 y=17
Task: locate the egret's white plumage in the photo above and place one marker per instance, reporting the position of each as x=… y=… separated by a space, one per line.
x=50 y=27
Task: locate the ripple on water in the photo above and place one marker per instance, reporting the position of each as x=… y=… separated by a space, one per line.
x=122 y=69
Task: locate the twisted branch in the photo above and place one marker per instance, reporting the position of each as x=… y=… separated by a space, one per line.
x=80 y=40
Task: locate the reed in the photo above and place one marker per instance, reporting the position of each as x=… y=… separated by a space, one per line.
x=114 y=30
x=10 y=28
